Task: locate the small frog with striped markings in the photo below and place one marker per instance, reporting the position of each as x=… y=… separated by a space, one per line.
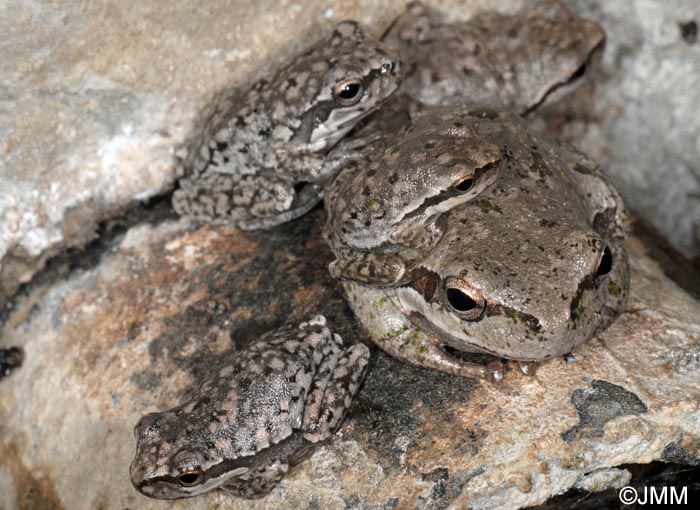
x=254 y=416
x=262 y=151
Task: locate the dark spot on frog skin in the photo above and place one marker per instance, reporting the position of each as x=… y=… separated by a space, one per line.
x=547 y=223
x=291 y=82
x=466 y=71
x=538 y=165
x=220 y=146
x=487 y=206
x=371 y=172
x=614 y=289
x=532 y=322
x=240 y=121
x=689 y=31
x=393 y=178
x=265 y=133
x=598 y=405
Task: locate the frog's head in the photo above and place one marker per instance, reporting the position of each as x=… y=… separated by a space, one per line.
x=172 y=462
x=517 y=300
x=339 y=81
x=437 y=163
x=567 y=48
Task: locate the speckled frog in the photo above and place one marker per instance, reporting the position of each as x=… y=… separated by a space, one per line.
x=527 y=270
x=513 y=62
x=261 y=151
x=396 y=199
x=256 y=415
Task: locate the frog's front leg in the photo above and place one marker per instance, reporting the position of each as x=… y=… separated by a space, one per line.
x=257 y=482
x=308 y=162
x=332 y=393
x=376 y=268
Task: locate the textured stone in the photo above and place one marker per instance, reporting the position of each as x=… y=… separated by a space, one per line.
x=135 y=332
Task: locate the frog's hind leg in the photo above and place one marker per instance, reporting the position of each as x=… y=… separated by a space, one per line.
x=257 y=482
x=329 y=399
x=378 y=269
x=306 y=199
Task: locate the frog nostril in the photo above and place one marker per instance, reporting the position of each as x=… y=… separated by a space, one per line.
x=606 y=262
x=460 y=300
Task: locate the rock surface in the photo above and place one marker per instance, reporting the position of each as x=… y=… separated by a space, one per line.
x=133 y=333
x=95 y=97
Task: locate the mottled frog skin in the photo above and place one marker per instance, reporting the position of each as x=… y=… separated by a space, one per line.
x=261 y=151
x=513 y=62
x=527 y=270
x=257 y=414
x=396 y=198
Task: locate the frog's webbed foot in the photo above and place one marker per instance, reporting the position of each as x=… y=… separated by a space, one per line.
x=305 y=200
x=328 y=400
x=257 y=482
x=378 y=269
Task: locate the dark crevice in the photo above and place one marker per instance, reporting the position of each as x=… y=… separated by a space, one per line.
x=108 y=234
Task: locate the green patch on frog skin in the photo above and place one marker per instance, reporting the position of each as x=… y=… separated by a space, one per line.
x=578 y=167
x=414 y=340
x=614 y=288
x=507 y=153
x=379 y=303
x=393 y=333
x=487 y=206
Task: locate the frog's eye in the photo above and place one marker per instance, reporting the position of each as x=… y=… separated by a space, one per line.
x=463 y=184
x=466 y=304
x=606 y=263
x=348 y=92
x=190 y=478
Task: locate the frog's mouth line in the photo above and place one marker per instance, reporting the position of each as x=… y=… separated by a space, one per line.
x=447 y=342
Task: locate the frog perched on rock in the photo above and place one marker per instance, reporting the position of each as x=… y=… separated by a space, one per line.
x=397 y=198
x=258 y=413
x=513 y=62
x=262 y=150
x=527 y=270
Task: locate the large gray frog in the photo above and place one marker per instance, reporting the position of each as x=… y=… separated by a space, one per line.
x=527 y=270
x=513 y=62
x=395 y=199
x=261 y=151
x=257 y=414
